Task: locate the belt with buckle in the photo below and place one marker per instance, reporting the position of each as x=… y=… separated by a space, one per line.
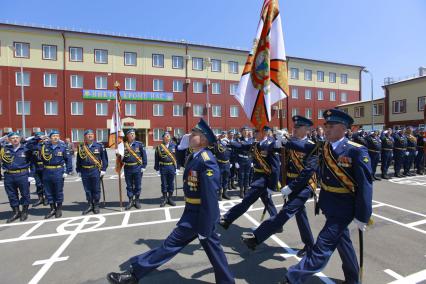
x=243 y=156
x=222 y=161
x=17 y=171
x=53 y=167
x=387 y=149
x=193 y=201
x=402 y=149
x=131 y=164
x=166 y=163
x=88 y=167
x=411 y=148
x=374 y=151
x=334 y=189
x=292 y=175
x=257 y=170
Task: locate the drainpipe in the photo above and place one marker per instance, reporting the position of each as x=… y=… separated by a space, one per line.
x=64 y=85
x=186 y=88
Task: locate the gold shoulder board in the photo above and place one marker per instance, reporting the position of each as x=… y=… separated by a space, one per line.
x=205 y=156
x=354 y=144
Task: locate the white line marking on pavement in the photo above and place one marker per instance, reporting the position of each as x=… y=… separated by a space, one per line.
x=167 y=214
x=413 y=224
x=30 y=231
x=125 y=219
x=402 y=209
x=393 y=274
x=413 y=278
x=399 y=223
x=378 y=205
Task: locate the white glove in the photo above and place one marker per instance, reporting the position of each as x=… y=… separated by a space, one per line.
x=361 y=226
x=417 y=152
x=177 y=172
x=31 y=179
x=270 y=191
x=79 y=174
x=142 y=170
x=230 y=166
x=407 y=153
x=184 y=143
x=103 y=173
x=251 y=165
x=237 y=166
x=64 y=175
x=286 y=191
x=158 y=173
x=201 y=237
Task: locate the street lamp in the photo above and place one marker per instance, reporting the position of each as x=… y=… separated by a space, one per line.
x=22 y=91
x=207 y=63
x=372 y=96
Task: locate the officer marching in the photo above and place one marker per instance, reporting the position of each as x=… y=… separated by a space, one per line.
x=410 y=154
x=167 y=168
x=91 y=164
x=37 y=167
x=346 y=196
x=16 y=160
x=135 y=162
x=387 y=152
x=374 y=146
x=201 y=181
x=399 y=149
x=244 y=160
x=55 y=155
x=222 y=151
x=420 y=152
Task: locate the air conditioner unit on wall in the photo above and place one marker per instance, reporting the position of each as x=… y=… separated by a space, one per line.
x=188 y=104
x=7 y=129
x=187 y=57
x=208 y=105
x=188 y=81
x=36 y=129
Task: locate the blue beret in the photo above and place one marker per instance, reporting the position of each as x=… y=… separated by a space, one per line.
x=39 y=133
x=13 y=133
x=299 y=120
x=223 y=132
x=338 y=116
x=245 y=127
x=130 y=131
x=53 y=132
x=266 y=128
x=231 y=132
x=88 y=131
x=165 y=133
x=203 y=127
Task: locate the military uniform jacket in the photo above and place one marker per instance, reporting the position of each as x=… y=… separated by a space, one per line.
x=411 y=143
x=400 y=142
x=387 y=143
x=58 y=156
x=243 y=153
x=222 y=152
x=374 y=144
x=420 y=143
x=201 y=182
x=85 y=162
x=15 y=160
x=139 y=149
x=36 y=160
x=162 y=158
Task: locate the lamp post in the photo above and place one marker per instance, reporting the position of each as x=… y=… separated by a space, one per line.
x=372 y=98
x=22 y=92
x=208 y=63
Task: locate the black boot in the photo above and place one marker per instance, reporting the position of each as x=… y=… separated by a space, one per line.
x=249 y=240
x=96 y=207
x=58 y=213
x=16 y=214
x=126 y=277
x=45 y=201
x=225 y=194
x=24 y=214
x=245 y=190
x=89 y=208
x=301 y=253
x=241 y=192
x=219 y=197
x=52 y=211
x=164 y=200
x=224 y=223
x=233 y=186
x=39 y=201
x=170 y=200
x=137 y=202
x=130 y=204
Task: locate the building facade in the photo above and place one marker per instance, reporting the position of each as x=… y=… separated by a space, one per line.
x=68 y=79
x=361 y=113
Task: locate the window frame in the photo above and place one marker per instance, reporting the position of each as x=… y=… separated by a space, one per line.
x=161 y=57
x=213 y=89
x=329 y=77
x=23 y=44
x=180 y=90
x=197 y=59
x=77 y=48
x=50 y=76
x=220 y=65
x=23 y=108
x=399 y=101
x=194 y=89
x=322 y=95
x=230 y=111
x=334 y=97
x=193 y=110
x=180 y=113
x=96 y=81
x=71 y=81
x=82 y=108
x=159 y=108
x=305 y=72
x=50 y=46
x=418 y=103
x=162 y=85
x=308 y=91
x=130 y=53
x=216 y=107
x=126 y=113
x=51 y=102
x=173 y=62
x=294 y=76
x=94 y=56
x=343 y=75
x=320 y=77
x=103 y=104
x=24 y=73
x=230 y=70
x=126 y=88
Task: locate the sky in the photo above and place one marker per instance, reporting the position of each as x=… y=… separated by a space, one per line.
x=388 y=37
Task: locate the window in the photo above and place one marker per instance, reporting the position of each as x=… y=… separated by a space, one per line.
x=216 y=65
x=22 y=49
x=308 y=75
x=130 y=58
x=77 y=135
x=344 y=78
x=216 y=89
x=332 y=77
x=421 y=101
x=49 y=52
x=294 y=73
x=308 y=113
x=399 y=106
x=345 y=110
x=130 y=84
x=320 y=95
x=77 y=108
x=320 y=76
x=198 y=87
x=50 y=108
x=233 y=88
x=320 y=113
x=233 y=67
x=177 y=86
x=377 y=109
x=158 y=110
x=158 y=60
x=27 y=108
x=101 y=109
x=344 y=97
x=197 y=63
x=294 y=93
x=158 y=85
x=308 y=94
x=158 y=134
x=102 y=135
x=332 y=96
x=50 y=80
x=130 y=109
x=18 y=77
x=178 y=132
x=234 y=111
x=177 y=110
x=294 y=111
x=101 y=56
x=76 y=81
x=76 y=54
x=101 y=82
x=216 y=111
x=359 y=111
x=198 y=110
x=177 y=62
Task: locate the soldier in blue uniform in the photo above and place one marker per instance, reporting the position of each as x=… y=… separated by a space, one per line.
x=346 y=196
x=232 y=161
x=420 y=152
x=266 y=171
x=374 y=146
x=223 y=151
x=201 y=182
x=166 y=166
x=301 y=185
x=55 y=155
x=91 y=164
x=244 y=161
x=387 y=152
x=135 y=162
x=37 y=167
x=16 y=160
x=399 y=149
x=410 y=154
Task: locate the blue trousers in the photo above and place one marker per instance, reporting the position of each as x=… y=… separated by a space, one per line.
x=38 y=176
x=92 y=184
x=133 y=182
x=386 y=161
x=335 y=234
x=294 y=206
x=249 y=199
x=375 y=158
x=54 y=185
x=409 y=160
x=398 y=156
x=175 y=242
x=419 y=160
x=225 y=172
x=168 y=174
x=16 y=184
x=244 y=173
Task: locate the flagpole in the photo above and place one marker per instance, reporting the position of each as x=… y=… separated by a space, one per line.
x=117 y=88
